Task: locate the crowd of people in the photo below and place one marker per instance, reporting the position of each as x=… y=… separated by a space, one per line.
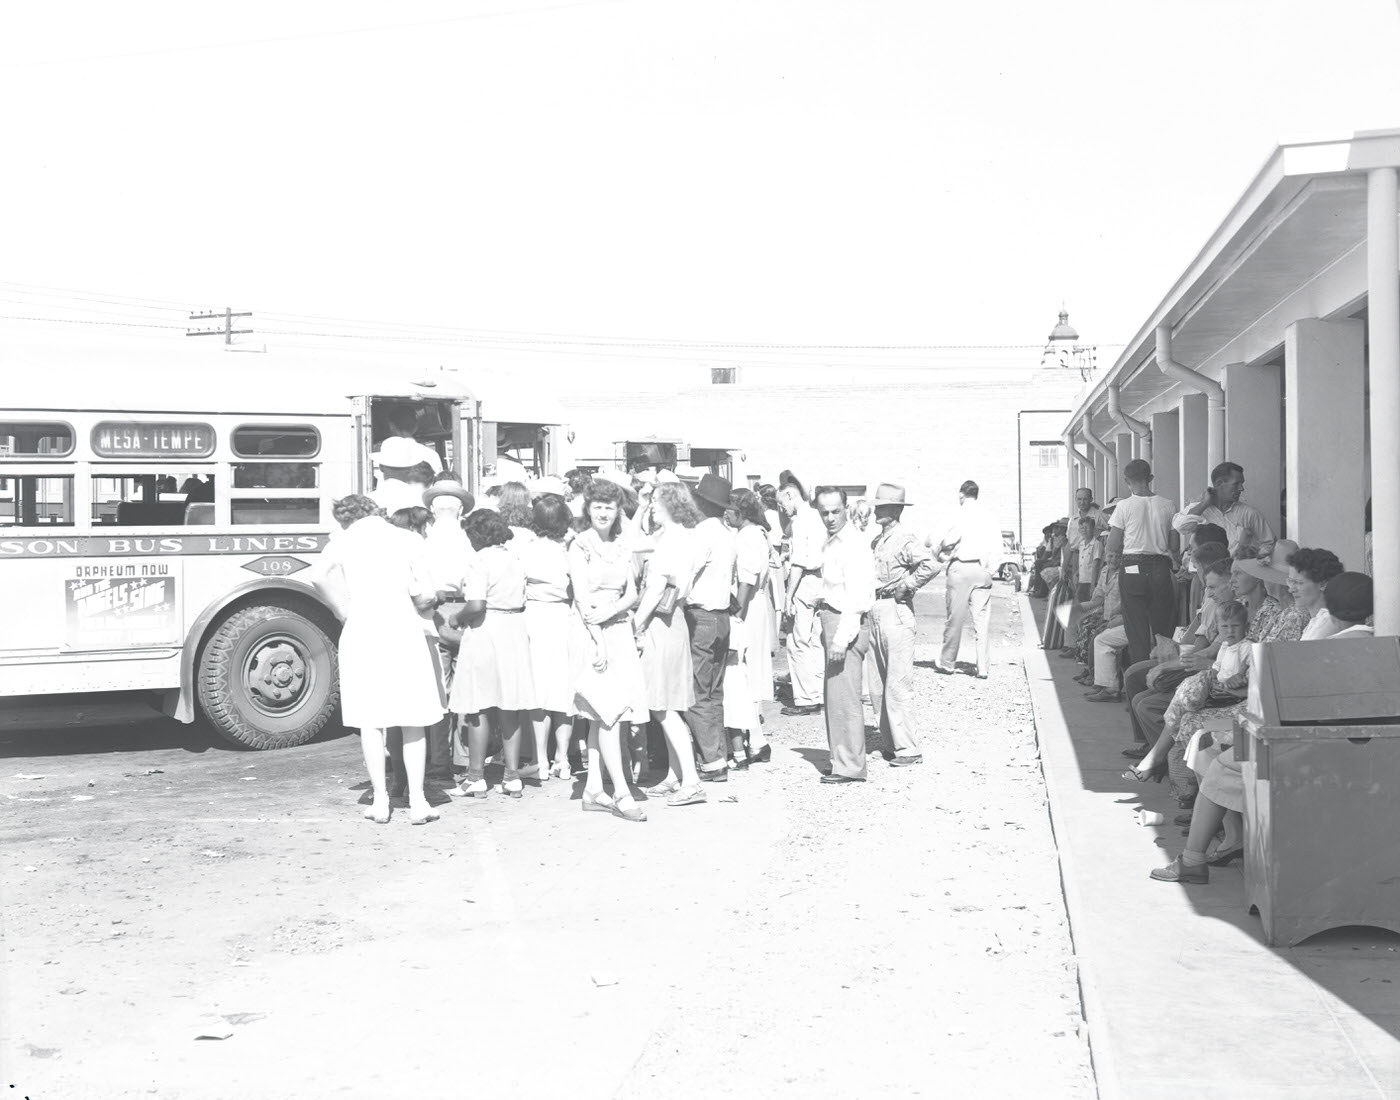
x=574 y=613
x=1162 y=608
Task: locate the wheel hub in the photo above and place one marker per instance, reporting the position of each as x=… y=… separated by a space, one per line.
x=277 y=674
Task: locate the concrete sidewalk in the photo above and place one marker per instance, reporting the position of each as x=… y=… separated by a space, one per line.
x=1180 y=993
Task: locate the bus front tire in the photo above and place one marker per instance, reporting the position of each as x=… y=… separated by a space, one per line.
x=268 y=678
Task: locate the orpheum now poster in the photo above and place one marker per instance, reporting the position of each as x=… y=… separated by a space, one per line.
x=132 y=605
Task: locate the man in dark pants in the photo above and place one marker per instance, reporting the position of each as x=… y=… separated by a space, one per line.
x=707 y=616
x=1140 y=532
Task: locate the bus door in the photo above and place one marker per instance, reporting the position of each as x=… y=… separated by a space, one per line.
x=435 y=422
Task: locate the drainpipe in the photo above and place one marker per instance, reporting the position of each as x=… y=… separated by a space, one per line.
x=1214 y=391
x=1086 y=464
x=1110 y=481
x=1131 y=423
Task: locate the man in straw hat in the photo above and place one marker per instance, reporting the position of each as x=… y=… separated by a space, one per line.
x=903 y=565
x=447 y=548
x=969 y=547
x=707 y=616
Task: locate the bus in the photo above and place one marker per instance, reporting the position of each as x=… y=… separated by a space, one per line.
x=160 y=515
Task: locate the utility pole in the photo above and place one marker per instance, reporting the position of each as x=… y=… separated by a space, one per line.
x=228 y=331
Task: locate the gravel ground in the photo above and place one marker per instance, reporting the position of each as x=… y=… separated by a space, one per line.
x=909 y=937
x=901 y=937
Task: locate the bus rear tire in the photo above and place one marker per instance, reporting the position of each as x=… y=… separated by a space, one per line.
x=268 y=678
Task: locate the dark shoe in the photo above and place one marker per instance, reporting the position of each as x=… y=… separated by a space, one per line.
x=1102 y=696
x=905 y=761
x=1221 y=859
x=1176 y=871
x=1156 y=774
x=1137 y=752
x=1182 y=819
x=720 y=775
x=842 y=779
x=801 y=712
x=762 y=756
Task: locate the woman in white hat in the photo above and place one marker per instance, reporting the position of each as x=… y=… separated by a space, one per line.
x=386 y=670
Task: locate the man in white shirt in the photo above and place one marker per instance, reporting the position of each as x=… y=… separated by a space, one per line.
x=397 y=456
x=707 y=616
x=804 y=646
x=1222 y=505
x=970 y=547
x=1141 y=534
x=847 y=595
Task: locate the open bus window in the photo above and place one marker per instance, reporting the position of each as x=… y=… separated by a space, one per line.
x=161 y=498
x=27 y=501
x=275 y=475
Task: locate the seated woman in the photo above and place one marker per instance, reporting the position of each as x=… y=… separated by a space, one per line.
x=1221 y=801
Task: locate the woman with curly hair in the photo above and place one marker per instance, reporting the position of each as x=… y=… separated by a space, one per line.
x=1309 y=571
x=493 y=684
x=608 y=677
x=748 y=671
x=664 y=640
x=516 y=507
x=387 y=676
x=548 y=624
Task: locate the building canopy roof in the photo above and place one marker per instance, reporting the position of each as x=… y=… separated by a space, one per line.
x=1302 y=219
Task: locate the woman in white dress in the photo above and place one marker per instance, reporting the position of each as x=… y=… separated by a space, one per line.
x=664 y=640
x=387 y=676
x=548 y=616
x=493 y=684
x=608 y=677
x=748 y=671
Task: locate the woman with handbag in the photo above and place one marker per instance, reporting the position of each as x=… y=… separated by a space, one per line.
x=664 y=640
x=608 y=685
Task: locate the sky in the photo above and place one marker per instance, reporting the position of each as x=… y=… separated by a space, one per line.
x=610 y=180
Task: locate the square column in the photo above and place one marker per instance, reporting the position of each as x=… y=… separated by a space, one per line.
x=1325 y=387
x=1254 y=433
x=1123 y=444
x=1194 y=449
x=1166 y=455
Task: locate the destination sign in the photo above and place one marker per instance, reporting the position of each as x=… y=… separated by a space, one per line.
x=122 y=439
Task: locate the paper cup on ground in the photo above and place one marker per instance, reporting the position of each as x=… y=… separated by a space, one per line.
x=1151 y=817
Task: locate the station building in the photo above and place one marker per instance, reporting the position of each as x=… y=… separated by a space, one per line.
x=1278 y=349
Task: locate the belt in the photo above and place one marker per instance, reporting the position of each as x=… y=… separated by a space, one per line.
x=822 y=605
x=1145 y=557
x=505 y=610
x=709 y=610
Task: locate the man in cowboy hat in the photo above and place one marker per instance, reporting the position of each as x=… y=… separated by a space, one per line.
x=903 y=565
x=707 y=616
x=969 y=548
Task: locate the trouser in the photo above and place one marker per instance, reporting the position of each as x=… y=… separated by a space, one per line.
x=805 y=658
x=1149 y=601
x=1106 y=647
x=969 y=596
x=440 y=733
x=891 y=667
x=845 y=713
x=709 y=646
x=1149 y=711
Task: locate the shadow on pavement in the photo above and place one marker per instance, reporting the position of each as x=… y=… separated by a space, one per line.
x=1359 y=966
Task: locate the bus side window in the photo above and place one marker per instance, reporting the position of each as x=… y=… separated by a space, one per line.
x=156 y=499
x=27 y=501
x=278 y=503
